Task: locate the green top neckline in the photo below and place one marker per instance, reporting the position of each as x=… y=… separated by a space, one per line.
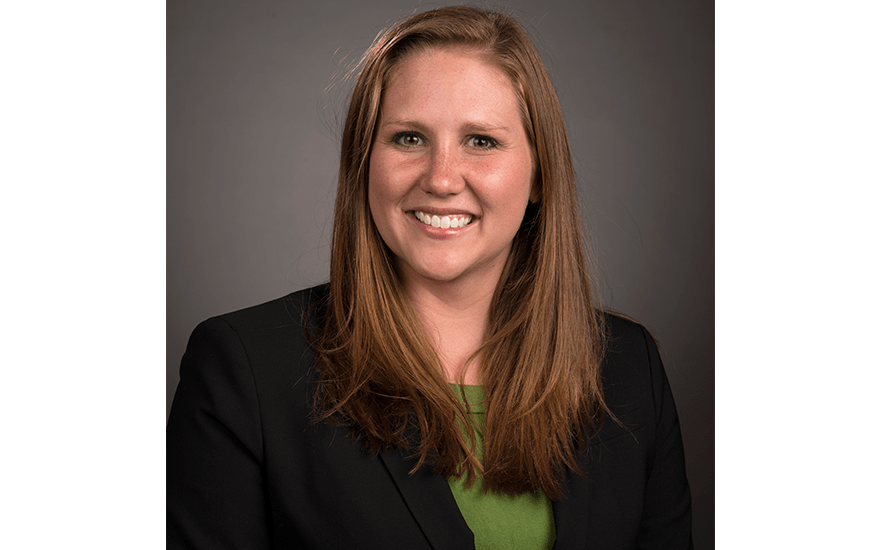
x=476 y=398
x=497 y=520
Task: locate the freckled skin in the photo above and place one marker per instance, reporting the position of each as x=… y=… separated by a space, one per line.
x=450 y=141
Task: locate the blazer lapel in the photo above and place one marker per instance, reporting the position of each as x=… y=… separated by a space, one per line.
x=430 y=501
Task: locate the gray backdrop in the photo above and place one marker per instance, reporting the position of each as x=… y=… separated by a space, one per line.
x=252 y=155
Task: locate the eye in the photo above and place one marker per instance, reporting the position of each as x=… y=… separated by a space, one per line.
x=482 y=142
x=408 y=139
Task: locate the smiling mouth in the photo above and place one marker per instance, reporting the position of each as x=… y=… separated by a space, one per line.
x=444 y=222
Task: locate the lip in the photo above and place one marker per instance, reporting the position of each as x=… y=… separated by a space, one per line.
x=441 y=211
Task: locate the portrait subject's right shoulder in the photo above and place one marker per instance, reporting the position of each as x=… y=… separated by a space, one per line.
x=270 y=338
x=295 y=308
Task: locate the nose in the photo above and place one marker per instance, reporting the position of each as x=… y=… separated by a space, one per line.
x=443 y=174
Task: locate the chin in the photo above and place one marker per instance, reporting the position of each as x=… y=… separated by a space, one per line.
x=440 y=276
x=450 y=272
x=430 y=270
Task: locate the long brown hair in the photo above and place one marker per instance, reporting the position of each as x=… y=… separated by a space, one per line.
x=540 y=362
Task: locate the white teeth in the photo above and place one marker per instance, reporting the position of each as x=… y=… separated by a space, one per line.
x=445 y=222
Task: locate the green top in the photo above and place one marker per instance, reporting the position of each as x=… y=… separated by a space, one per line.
x=500 y=521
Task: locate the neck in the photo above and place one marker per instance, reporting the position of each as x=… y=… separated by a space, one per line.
x=455 y=318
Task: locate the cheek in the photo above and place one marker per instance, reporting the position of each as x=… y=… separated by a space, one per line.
x=380 y=186
x=515 y=185
x=381 y=198
x=375 y=184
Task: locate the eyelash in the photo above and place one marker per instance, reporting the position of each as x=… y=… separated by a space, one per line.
x=398 y=137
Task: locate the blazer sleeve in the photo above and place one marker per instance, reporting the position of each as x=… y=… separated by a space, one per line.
x=215 y=488
x=666 y=516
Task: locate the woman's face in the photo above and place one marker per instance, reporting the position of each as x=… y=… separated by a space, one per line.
x=451 y=168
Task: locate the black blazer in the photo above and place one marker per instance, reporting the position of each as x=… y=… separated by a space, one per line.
x=246 y=468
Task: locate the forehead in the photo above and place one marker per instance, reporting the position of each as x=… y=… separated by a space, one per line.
x=441 y=78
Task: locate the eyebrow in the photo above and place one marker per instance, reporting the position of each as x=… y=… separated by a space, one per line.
x=478 y=127
x=467 y=127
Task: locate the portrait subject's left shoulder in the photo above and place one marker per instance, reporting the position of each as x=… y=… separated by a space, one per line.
x=631 y=352
x=633 y=378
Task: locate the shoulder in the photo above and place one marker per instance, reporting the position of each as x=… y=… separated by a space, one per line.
x=632 y=372
x=264 y=336
x=289 y=313
x=630 y=347
x=293 y=309
x=250 y=366
x=635 y=463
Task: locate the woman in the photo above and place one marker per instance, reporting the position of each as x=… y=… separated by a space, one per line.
x=454 y=385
